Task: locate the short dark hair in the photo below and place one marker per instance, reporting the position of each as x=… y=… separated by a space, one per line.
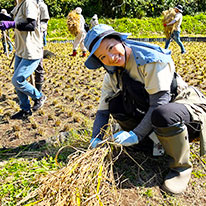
x=113 y=36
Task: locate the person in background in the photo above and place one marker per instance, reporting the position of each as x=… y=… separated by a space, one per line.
x=44 y=15
x=28 y=44
x=176 y=33
x=44 y=18
x=79 y=39
x=145 y=95
x=94 y=20
x=10 y=48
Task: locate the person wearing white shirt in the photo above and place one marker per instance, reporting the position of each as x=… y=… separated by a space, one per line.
x=176 y=33
x=94 y=20
x=79 y=39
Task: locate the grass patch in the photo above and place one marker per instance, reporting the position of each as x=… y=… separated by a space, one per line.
x=18 y=177
x=139 y=28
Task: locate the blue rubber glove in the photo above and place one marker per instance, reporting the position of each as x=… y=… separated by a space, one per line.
x=94 y=142
x=126 y=138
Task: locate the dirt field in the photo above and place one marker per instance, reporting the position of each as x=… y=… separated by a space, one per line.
x=73 y=93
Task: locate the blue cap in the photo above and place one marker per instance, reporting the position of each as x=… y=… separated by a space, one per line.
x=94 y=38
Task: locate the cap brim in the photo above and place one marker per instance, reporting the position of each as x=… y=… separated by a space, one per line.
x=92 y=61
x=179 y=9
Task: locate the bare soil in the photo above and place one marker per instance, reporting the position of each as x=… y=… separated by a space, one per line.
x=73 y=93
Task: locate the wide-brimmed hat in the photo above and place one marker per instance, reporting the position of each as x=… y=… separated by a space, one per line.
x=180 y=8
x=93 y=39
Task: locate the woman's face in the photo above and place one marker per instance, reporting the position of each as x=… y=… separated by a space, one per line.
x=111 y=53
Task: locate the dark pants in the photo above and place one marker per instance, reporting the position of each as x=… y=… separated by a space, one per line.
x=39 y=73
x=118 y=111
x=163 y=116
x=169 y=114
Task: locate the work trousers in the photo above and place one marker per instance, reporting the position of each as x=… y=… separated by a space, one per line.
x=23 y=68
x=79 y=40
x=163 y=116
x=39 y=73
x=170 y=114
x=176 y=36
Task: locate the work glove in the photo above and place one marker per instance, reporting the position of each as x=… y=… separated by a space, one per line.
x=126 y=138
x=94 y=142
x=164 y=25
x=7 y=25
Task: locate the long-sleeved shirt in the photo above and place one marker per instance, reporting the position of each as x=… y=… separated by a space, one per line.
x=155 y=71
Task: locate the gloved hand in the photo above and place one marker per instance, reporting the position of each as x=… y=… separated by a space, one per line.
x=164 y=25
x=94 y=142
x=7 y=25
x=126 y=138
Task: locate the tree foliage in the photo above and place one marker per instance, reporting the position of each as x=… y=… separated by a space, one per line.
x=116 y=8
x=8 y=5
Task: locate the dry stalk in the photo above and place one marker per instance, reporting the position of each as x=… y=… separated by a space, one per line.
x=168 y=16
x=73 y=21
x=199 y=158
x=86 y=180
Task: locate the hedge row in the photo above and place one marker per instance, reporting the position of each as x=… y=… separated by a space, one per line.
x=139 y=28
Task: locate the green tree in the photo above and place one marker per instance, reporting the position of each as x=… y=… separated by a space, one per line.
x=116 y=8
x=8 y=5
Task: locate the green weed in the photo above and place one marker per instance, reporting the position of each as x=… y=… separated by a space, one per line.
x=18 y=177
x=139 y=28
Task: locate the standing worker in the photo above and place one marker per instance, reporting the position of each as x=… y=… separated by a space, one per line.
x=176 y=33
x=79 y=39
x=94 y=20
x=28 y=44
x=142 y=91
x=4 y=41
x=44 y=18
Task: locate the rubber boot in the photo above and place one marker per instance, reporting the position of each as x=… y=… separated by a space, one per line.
x=176 y=145
x=83 y=54
x=39 y=86
x=74 y=53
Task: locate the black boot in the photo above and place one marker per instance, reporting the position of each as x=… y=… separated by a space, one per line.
x=38 y=103
x=22 y=114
